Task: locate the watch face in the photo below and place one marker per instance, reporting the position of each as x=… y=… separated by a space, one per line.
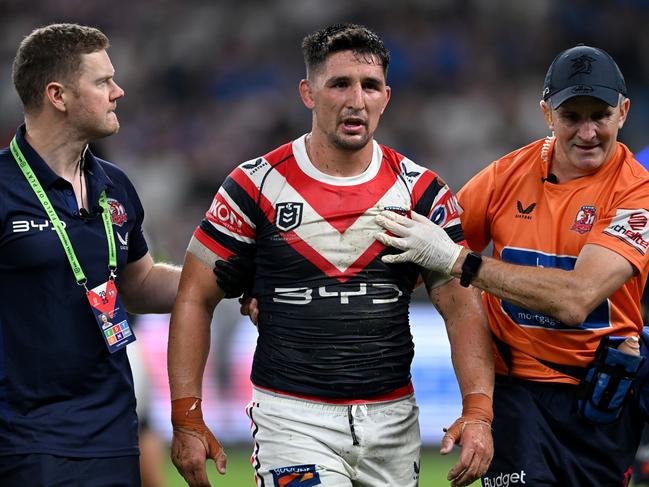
x=470 y=268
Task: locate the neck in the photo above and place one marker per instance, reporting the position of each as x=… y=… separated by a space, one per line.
x=60 y=150
x=337 y=162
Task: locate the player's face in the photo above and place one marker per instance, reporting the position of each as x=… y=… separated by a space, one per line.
x=348 y=96
x=92 y=102
x=586 y=130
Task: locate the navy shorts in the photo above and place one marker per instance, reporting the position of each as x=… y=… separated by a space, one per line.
x=540 y=440
x=38 y=470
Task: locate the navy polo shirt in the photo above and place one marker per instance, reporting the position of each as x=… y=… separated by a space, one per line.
x=61 y=391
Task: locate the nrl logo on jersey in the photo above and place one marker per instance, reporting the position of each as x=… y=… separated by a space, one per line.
x=288 y=215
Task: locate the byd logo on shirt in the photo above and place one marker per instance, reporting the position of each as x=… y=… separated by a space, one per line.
x=19 y=226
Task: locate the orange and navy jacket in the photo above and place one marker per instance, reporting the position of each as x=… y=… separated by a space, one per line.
x=534 y=222
x=333 y=320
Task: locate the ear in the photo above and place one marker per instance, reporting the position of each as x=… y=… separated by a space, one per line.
x=55 y=93
x=547 y=114
x=306 y=93
x=388 y=93
x=624 y=111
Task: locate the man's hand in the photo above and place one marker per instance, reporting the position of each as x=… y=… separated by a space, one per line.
x=249 y=307
x=193 y=443
x=425 y=243
x=472 y=431
x=235 y=276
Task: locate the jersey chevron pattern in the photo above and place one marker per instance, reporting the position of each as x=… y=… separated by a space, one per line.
x=333 y=318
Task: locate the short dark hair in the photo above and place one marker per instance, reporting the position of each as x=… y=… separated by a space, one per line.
x=52 y=53
x=319 y=45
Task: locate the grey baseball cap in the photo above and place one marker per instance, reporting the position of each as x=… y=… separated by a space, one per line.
x=583 y=71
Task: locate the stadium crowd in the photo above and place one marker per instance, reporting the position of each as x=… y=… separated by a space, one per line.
x=205 y=90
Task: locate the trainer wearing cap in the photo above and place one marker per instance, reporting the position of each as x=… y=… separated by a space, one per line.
x=583 y=71
x=569 y=224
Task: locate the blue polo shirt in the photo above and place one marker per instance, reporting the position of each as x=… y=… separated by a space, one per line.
x=61 y=391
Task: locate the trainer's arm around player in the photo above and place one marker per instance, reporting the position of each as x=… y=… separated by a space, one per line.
x=147 y=286
x=189 y=338
x=468 y=333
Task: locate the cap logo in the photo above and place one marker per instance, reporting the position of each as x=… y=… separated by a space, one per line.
x=582 y=89
x=582 y=64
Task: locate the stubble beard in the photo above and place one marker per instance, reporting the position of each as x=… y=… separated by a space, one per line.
x=350 y=144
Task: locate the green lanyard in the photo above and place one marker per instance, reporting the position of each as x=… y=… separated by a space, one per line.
x=58 y=225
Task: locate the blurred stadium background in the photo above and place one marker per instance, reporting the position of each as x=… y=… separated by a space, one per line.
x=210 y=84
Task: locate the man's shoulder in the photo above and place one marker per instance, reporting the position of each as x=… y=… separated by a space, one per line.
x=530 y=153
x=262 y=163
x=111 y=169
x=403 y=164
x=517 y=163
x=9 y=170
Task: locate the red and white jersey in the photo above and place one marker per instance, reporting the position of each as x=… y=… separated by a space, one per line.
x=542 y=224
x=333 y=318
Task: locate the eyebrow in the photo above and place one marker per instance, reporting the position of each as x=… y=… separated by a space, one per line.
x=366 y=79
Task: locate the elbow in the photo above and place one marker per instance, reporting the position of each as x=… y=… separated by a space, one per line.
x=575 y=310
x=572 y=317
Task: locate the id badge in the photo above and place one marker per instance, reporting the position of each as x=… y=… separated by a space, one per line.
x=110 y=316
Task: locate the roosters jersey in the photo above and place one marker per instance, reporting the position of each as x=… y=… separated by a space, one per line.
x=333 y=318
x=542 y=224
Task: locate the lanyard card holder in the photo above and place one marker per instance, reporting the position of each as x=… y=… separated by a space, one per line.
x=110 y=316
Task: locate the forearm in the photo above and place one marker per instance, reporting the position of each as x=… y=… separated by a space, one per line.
x=189 y=330
x=469 y=337
x=472 y=355
x=554 y=292
x=155 y=292
x=188 y=348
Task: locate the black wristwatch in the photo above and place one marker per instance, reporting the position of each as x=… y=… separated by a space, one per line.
x=470 y=268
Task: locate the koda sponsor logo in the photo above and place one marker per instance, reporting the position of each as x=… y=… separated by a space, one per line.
x=19 y=226
x=505 y=479
x=584 y=220
x=630 y=226
x=117 y=212
x=295 y=476
x=447 y=209
x=524 y=212
x=288 y=216
x=223 y=214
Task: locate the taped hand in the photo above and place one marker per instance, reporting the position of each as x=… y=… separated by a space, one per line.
x=472 y=431
x=188 y=455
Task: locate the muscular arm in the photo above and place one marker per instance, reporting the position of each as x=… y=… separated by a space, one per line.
x=569 y=296
x=472 y=357
x=189 y=331
x=147 y=287
x=189 y=339
x=469 y=336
